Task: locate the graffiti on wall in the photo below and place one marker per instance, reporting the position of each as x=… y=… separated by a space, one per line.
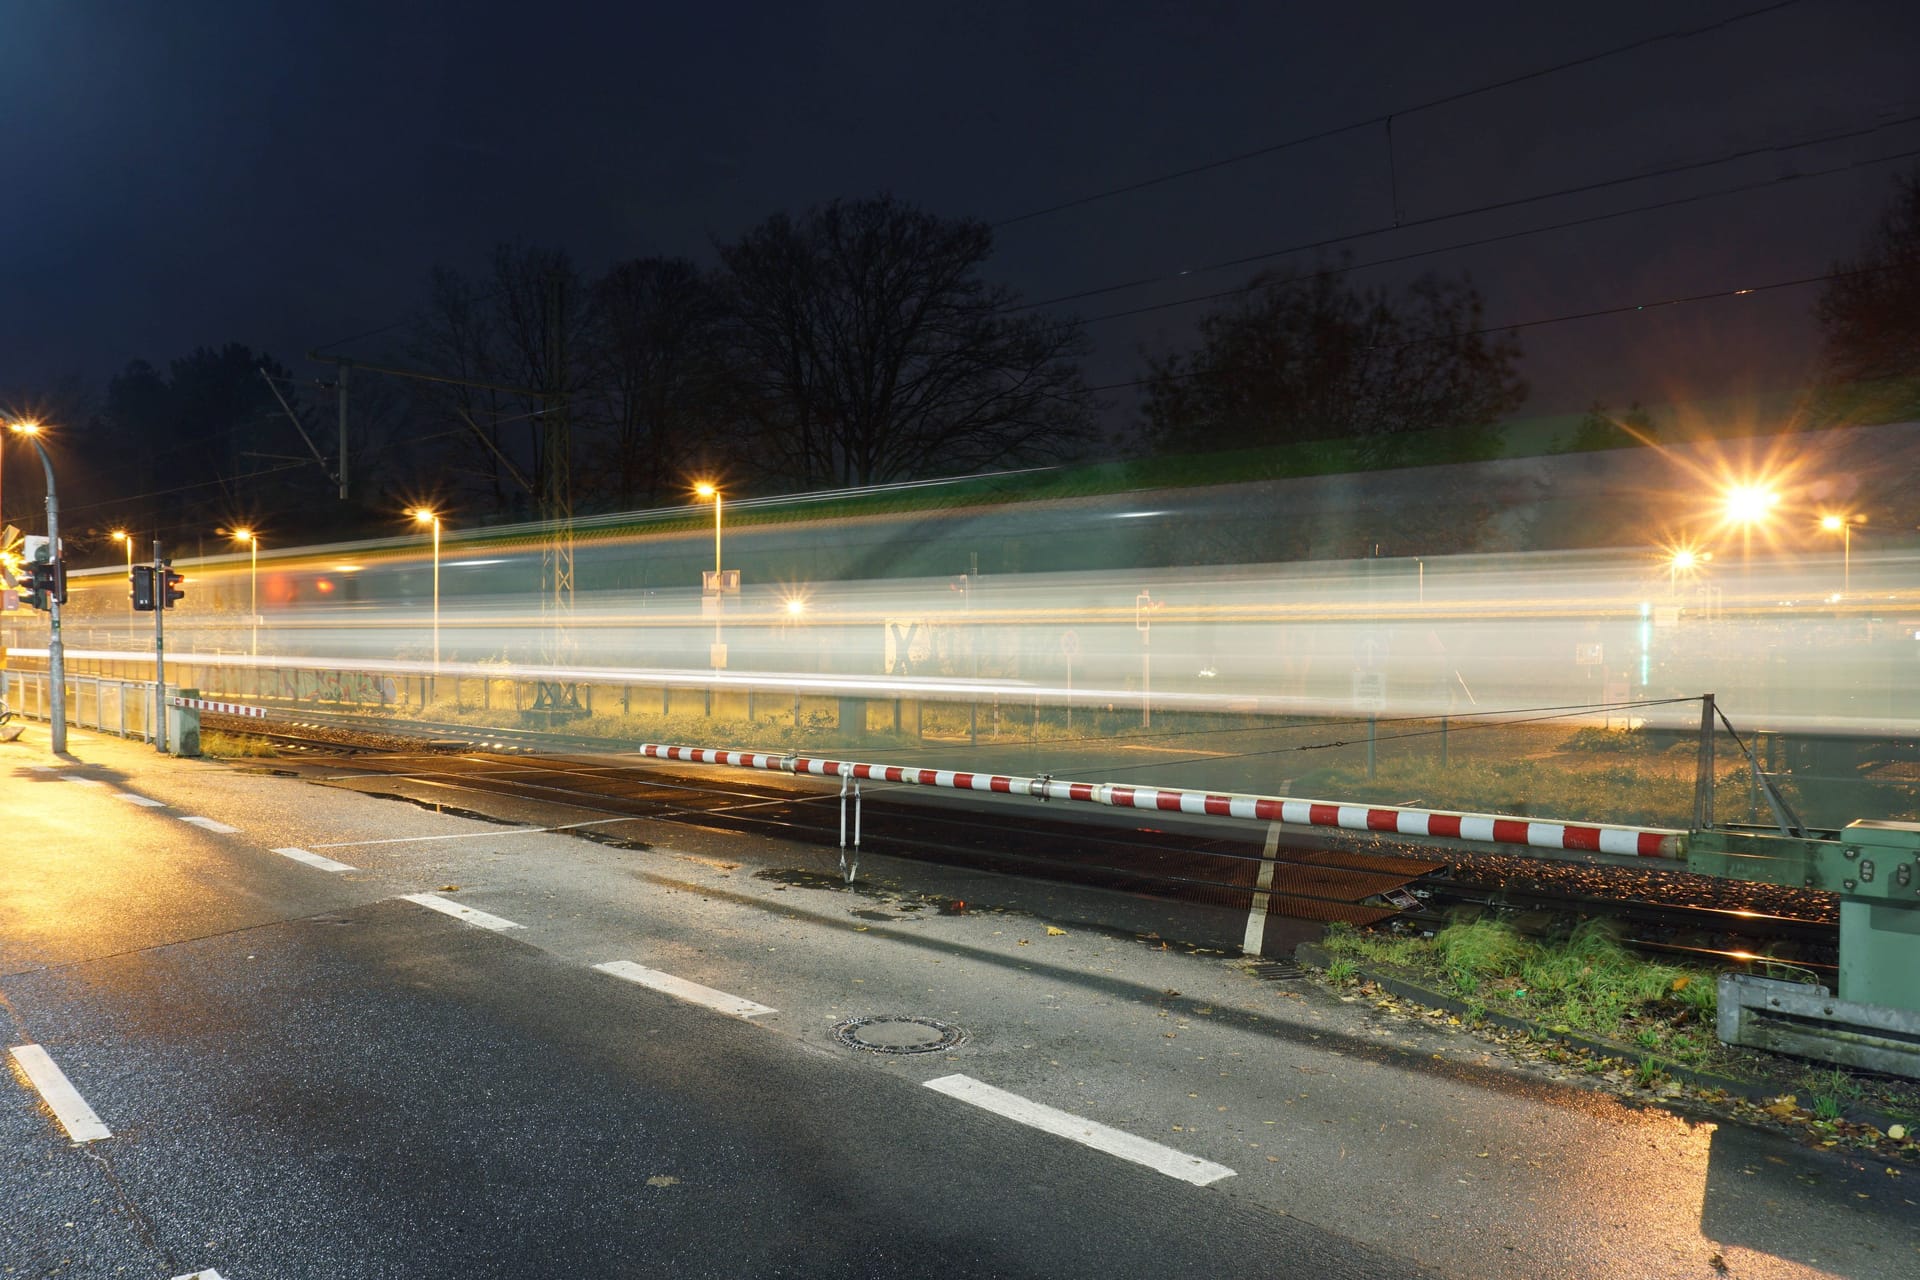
x=328 y=686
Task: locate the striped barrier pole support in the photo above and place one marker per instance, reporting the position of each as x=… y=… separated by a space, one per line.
x=1479 y=828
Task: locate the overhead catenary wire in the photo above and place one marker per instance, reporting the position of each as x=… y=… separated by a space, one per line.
x=1512 y=326
x=1384 y=117
x=1503 y=237
x=1585 y=188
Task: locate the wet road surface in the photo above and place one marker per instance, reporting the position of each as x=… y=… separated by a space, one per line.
x=308 y=1069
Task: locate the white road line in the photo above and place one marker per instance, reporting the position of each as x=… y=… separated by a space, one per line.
x=1175 y=1164
x=69 y=1108
x=472 y=835
x=1257 y=913
x=478 y=919
x=314 y=860
x=210 y=824
x=146 y=801
x=85 y=782
x=208 y=1274
x=681 y=989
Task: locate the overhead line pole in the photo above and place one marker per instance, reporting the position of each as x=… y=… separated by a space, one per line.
x=556 y=506
x=554 y=488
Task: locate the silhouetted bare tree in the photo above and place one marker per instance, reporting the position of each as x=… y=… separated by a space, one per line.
x=518 y=327
x=1318 y=357
x=870 y=349
x=1870 y=319
x=655 y=377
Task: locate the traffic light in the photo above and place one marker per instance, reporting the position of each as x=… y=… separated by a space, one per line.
x=46 y=584
x=170 y=583
x=33 y=590
x=143 y=588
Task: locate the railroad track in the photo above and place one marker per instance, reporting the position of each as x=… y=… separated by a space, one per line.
x=1321 y=878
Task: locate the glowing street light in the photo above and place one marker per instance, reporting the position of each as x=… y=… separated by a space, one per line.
x=126 y=539
x=252 y=540
x=56 y=647
x=1748 y=505
x=423 y=515
x=708 y=490
x=1681 y=559
x=1843 y=525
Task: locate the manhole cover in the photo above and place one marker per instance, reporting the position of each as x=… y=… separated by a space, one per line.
x=897 y=1035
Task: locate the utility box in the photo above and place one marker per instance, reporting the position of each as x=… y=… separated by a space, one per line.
x=183 y=725
x=1880 y=914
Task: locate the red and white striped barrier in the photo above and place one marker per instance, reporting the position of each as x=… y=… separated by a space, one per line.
x=222 y=708
x=1484 y=828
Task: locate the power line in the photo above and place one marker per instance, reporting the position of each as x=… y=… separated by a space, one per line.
x=1636 y=306
x=1514 y=326
x=1386 y=117
x=408 y=318
x=1483 y=241
x=1585 y=188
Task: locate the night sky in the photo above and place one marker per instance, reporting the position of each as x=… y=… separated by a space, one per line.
x=284 y=175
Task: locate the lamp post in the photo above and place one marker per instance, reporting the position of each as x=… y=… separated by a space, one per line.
x=126 y=539
x=56 y=651
x=423 y=515
x=1843 y=525
x=707 y=490
x=252 y=540
x=1747 y=505
x=1681 y=559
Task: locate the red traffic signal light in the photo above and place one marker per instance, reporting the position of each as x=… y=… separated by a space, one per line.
x=171 y=584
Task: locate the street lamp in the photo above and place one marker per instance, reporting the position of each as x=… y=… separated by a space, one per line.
x=1747 y=505
x=1843 y=525
x=707 y=490
x=56 y=650
x=126 y=539
x=422 y=515
x=252 y=540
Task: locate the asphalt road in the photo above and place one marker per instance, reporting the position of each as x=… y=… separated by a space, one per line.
x=305 y=1072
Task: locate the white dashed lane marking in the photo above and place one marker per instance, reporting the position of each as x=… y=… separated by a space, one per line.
x=210 y=825
x=1064 y=1124
x=68 y=1107
x=681 y=989
x=85 y=782
x=474 y=835
x=479 y=919
x=314 y=860
x=208 y=1274
x=145 y=801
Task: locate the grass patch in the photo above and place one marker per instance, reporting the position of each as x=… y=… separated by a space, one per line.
x=234 y=746
x=1587 y=982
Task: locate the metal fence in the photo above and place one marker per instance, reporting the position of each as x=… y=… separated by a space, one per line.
x=109 y=704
